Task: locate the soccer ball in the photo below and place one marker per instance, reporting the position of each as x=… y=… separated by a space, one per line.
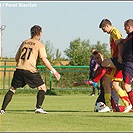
x=99 y=106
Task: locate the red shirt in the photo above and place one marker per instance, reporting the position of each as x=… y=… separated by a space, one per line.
x=114 y=35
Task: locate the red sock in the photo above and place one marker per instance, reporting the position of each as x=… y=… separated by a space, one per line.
x=130 y=95
x=114 y=106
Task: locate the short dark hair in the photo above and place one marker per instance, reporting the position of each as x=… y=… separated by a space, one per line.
x=35 y=30
x=129 y=22
x=104 y=22
x=97 y=52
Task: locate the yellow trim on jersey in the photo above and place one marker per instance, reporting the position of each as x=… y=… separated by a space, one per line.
x=115 y=34
x=111 y=75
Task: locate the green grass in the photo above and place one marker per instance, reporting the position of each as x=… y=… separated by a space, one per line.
x=66 y=113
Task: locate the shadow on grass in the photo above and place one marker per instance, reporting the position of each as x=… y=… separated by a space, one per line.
x=86 y=113
x=47 y=111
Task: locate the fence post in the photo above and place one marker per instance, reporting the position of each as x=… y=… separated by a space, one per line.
x=50 y=81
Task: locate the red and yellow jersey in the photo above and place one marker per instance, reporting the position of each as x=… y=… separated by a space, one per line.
x=114 y=74
x=114 y=35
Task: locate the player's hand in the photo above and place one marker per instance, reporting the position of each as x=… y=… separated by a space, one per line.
x=56 y=74
x=94 y=84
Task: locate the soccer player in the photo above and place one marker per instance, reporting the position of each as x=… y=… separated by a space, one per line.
x=115 y=37
x=116 y=77
x=93 y=70
x=99 y=76
x=127 y=58
x=27 y=56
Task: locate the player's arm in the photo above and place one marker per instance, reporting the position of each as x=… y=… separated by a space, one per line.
x=120 y=51
x=49 y=66
x=43 y=56
x=116 y=35
x=96 y=66
x=101 y=72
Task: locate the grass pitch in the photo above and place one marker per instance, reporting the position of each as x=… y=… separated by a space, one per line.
x=66 y=113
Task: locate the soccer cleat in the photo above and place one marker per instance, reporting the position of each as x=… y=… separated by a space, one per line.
x=92 y=94
x=106 y=109
x=128 y=108
x=2 y=112
x=40 y=110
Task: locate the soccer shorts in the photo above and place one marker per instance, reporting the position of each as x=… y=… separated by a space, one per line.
x=116 y=63
x=23 y=77
x=114 y=74
x=127 y=72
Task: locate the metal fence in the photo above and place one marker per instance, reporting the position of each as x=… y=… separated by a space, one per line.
x=69 y=74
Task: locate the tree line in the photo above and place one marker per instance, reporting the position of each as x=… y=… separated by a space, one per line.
x=78 y=53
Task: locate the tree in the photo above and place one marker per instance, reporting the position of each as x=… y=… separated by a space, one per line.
x=58 y=55
x=78 y=52
x=50 y=52
x=103 y=48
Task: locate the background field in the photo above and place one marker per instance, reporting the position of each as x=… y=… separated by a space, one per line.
x=72 y=112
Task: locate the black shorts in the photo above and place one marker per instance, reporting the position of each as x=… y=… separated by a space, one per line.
x=23 y=77
x=116 y=63
x=127 y=72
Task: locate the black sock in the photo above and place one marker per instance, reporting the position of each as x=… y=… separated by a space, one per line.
x=7 y=99
x=93 y=91
x=40 y=98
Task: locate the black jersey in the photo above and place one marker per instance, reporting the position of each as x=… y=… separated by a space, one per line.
x=128 y=49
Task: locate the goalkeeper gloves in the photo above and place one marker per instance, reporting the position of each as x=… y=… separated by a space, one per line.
x=55 y=73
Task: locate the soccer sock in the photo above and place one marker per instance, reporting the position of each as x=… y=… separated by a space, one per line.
x=123 y=97
x=114 y=100
x=93 y=90
x=40 y=98
x=125 y=92
x=114 y=106
x=107 y=97
x=130 y=95
x=7 y=99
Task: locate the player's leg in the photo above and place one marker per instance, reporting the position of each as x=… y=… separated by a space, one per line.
x=129 y=90
x=92 y=76
x=40 y=99
x=40 y=95
x=127 y=81
x=107 y=91
x=121 y=93
x=98 y=90
x=117 y=78
x=16 y=83
x=100 y=98
x=7 y=99
x=114 y=101
x=34 y=80
x=93 y=91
